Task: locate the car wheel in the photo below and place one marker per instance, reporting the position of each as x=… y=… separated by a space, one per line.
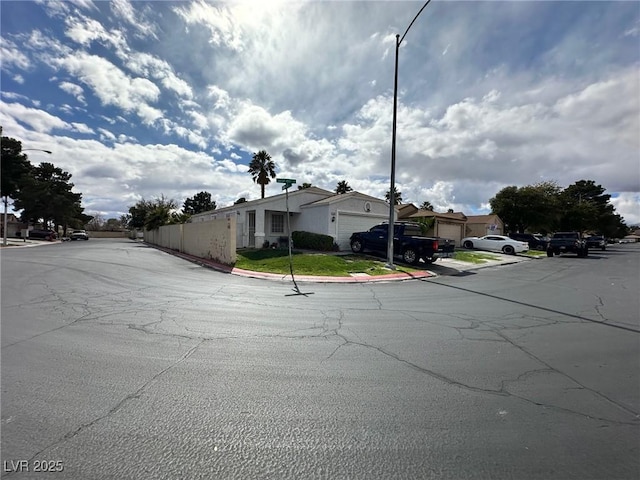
x=508 y=249
x=468 y=244
x=410 y=256
x=549 y=253
x=356 y=246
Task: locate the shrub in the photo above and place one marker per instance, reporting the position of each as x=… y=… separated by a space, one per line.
x=312 y=241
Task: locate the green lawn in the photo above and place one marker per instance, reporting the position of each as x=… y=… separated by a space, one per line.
x=473 y=257
x=277 y=261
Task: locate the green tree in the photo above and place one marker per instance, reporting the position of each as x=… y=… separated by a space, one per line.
x=304 y=186
x=426 y=205
x=240 y=200
x=397 y=196
x=152 y=214
x=262 y=169
x=13 y=166
x=586 y=207
x=138 y=213
x=200 y=202
x=533 y=207
x=46 y=196
x=343 y=187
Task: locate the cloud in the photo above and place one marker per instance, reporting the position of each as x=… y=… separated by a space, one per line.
x=112 y=86
x=12 y=56
x=73 y=89
x=37 y=120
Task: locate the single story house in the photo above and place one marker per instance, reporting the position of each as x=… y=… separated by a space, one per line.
x=14 y=226
x=310 y=209
x=445 y=225
x=481 y=225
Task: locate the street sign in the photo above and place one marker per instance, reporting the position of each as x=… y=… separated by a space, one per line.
x=287 y=182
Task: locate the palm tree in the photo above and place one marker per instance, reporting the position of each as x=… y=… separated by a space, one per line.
x=343 y=187
x=426 y=205
x=261 y=168
x=397 y=196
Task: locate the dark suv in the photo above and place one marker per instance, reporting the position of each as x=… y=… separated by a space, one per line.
x=597 y=241
x=535 y=241
x=42 y=234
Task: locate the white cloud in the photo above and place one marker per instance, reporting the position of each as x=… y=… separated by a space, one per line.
x=38 y=120
x=12 y=56
x=113 y=87
x=73 y=89
x=627 y=205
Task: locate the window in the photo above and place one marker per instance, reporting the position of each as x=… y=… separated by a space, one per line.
x=277 y=223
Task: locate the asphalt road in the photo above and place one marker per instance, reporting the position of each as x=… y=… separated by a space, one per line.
x=123 y=362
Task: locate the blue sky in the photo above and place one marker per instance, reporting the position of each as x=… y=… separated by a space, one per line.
x=142 y=99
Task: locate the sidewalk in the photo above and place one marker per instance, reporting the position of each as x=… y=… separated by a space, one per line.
x=17 y=242
x=444 y=266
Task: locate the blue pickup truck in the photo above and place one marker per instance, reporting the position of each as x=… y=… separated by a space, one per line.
x=408 y=242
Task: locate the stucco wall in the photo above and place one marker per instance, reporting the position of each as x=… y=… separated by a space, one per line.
x=215 y=239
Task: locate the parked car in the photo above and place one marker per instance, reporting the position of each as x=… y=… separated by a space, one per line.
x=79 y=235
x=408 y=242
x=42 y=234
x=535 y=241
x=496 y=243
x=567 y=242
x=597 y=241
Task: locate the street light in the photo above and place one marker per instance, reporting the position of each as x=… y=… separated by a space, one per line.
x=6 y=200
x=392 y=199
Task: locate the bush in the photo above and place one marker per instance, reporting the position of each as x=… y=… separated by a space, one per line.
x=312 y=241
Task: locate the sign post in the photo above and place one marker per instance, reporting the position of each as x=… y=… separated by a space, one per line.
x=287 y=183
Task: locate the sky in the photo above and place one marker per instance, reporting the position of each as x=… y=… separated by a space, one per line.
x=171 y=98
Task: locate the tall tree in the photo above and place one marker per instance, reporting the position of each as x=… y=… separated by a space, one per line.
x=46 y=195
x=13 y=166
x=343 y=187
x=397 y=196
x=262 y=169
x=200 y=202
x=426 y=205
x=586 y=207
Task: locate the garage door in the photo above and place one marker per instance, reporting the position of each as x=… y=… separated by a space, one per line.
x=354 y=222
x=451 y=231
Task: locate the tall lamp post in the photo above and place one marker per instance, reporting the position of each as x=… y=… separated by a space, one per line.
x=6 y=200
x=392 y=199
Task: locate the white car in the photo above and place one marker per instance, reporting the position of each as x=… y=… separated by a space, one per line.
x=79 y=235
x=496 y=243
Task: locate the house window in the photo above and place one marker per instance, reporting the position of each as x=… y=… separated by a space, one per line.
x=277 y=223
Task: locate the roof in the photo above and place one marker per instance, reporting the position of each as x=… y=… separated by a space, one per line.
x=342 y=196
x=265 y=200
x=431 y=214
x=483 y=218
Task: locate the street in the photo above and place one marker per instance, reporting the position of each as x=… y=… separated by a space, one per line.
x=120 y=361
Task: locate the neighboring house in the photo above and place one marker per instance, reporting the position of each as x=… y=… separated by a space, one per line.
x=311 y=209
x=445 y=225
x=14 y=226
x=481 y=225
x=405 y=210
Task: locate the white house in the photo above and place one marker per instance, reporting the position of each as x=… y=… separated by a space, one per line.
x=311 y=209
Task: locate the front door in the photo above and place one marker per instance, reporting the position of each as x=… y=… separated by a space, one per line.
x=251 y=216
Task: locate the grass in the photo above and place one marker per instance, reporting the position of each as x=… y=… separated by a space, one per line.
x=277 y=261
x=473 y=257
x=535 y=253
